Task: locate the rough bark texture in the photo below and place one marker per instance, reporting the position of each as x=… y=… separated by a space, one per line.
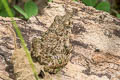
x=96 y=41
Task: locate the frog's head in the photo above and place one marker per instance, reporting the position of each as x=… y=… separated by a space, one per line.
x=58 y=19
x=64 y=20
x=67 y=20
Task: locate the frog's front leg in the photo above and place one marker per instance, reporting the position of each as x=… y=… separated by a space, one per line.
x=45 y=75
x=55 y=67
x=51 y=70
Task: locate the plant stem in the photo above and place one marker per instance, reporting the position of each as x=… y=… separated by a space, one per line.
x=21 y=38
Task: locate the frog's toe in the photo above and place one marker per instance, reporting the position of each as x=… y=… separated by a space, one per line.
x=52 y=71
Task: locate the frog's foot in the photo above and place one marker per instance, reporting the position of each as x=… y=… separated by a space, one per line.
x=44 y=75
x=55 y=67
x=51 y=71
x=41 y=74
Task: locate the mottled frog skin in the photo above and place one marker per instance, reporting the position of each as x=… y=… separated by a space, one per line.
x=53 y=49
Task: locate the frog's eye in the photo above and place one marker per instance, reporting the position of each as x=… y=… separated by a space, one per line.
x=57 y=18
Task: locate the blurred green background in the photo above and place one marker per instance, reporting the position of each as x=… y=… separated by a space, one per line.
x=28 y=8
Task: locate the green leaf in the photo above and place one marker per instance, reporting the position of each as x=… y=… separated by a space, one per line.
x=118 y=15
x=89 y=2
x=75 y=0
x=20 y=10
x=1 y=6
x=105 y=6
x=31 y=9
x=50 y=0
x=3 y=13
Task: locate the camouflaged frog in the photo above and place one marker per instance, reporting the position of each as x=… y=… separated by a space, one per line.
x=53 y=49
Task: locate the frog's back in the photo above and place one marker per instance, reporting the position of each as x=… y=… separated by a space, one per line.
x=53 y=49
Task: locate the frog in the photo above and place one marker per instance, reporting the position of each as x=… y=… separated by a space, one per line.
x=53 y=49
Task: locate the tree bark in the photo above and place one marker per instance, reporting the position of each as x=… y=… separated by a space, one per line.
x=95 y=38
